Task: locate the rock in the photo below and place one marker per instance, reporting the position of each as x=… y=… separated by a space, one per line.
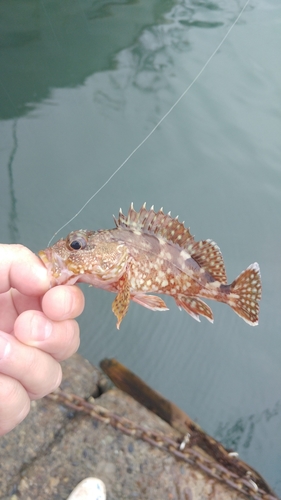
x=55 y=448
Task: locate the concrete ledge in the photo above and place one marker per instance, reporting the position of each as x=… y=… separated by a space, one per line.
x=55 y=448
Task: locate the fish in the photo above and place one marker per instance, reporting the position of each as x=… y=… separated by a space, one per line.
x=151 y=252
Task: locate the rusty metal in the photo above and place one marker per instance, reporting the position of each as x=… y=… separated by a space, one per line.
x=181 y=450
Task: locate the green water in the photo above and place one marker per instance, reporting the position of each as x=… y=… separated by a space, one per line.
x=82 y=83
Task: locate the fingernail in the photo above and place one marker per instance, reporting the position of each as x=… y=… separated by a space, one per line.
x=5 y=347
x=41 y=328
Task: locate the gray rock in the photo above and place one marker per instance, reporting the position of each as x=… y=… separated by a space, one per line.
x=55 y=448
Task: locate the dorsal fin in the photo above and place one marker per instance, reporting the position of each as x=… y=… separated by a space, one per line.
x=206 y=253
x=157 y=223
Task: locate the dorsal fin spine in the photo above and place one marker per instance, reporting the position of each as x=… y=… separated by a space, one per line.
x=206 y=253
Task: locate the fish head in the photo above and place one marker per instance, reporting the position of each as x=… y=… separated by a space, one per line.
x=85 y=256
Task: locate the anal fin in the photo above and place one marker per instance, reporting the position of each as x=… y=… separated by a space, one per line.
x=195 y=307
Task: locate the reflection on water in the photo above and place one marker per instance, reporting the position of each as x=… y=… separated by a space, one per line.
x=13 y=216
x=42 y=49
x=240 y=434
x=149 y=64
x=49 y=44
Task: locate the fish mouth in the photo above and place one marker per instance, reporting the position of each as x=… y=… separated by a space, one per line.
x=57 y=270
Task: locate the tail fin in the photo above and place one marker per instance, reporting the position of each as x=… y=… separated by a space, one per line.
x=247 y=287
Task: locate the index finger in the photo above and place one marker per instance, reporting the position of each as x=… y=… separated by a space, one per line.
x=21 y=269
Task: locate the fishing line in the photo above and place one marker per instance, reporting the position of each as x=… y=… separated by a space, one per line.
x=156 y=126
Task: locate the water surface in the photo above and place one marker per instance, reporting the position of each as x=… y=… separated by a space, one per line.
x=82 y=83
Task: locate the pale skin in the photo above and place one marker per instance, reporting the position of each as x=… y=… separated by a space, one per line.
x=37 y=331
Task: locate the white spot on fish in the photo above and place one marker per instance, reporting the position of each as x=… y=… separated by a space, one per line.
x=185 y=255
x=215 y=284
x=133 y=283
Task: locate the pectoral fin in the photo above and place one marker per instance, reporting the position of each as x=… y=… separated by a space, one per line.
x=121 y=302
x=150 y=302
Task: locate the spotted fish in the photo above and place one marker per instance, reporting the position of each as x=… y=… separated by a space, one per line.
x=151 y=252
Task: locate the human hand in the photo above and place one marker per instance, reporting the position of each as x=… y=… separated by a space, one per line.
x=37 y=330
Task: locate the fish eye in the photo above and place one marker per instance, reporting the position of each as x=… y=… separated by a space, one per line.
x=77 y=243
